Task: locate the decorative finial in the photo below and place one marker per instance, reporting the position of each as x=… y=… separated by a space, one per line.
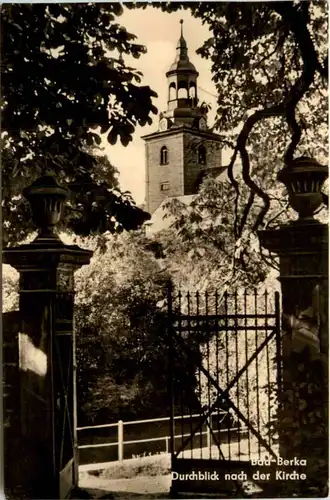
x=181 y=22
x=46 y=198
x=303 y=178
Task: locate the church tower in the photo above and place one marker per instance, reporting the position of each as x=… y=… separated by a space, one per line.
x=183 y=149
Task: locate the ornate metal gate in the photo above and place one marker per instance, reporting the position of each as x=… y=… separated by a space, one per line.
x=223 y=401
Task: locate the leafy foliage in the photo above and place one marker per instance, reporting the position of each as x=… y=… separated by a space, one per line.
x=270 y=68
x=121 y=322
x=64 y=83
x=200 y=248
x=120 y=338
x=9 y=289
x=301 y=420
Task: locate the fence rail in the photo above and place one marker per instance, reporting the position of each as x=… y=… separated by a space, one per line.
x=120 y=443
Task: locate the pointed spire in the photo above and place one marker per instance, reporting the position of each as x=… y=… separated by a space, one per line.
x=181 y=62
x=181 y=49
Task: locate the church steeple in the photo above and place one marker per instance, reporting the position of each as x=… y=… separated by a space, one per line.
x=183 y=148
x=182 y=84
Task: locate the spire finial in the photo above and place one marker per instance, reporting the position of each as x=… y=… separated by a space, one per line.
x=181 y=22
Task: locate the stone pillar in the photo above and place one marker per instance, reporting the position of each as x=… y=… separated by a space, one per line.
x=11 y=394
x=47 y=454
x=302 y=247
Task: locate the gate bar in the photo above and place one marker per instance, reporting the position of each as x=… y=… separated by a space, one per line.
x=278 y=342
x=171 y=367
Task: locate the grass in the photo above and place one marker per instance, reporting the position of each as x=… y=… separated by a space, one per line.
x=155 y=465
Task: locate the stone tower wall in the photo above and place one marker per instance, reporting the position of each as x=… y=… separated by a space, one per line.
x=183 y=169
x=192 y=168
x=156 y=174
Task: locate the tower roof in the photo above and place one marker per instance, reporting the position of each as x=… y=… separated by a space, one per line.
x=182 y=63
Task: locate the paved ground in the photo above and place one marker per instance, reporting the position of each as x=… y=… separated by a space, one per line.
x=145 y=487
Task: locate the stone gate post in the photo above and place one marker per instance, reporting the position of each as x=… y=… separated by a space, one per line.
x=302 y=247
x=45 y=453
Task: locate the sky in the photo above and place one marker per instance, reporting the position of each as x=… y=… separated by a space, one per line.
x=159 y=32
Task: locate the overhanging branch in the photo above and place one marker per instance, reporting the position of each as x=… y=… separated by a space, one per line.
x=286 y=108
x=230 y=173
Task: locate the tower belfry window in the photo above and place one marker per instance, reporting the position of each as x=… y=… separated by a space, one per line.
x=172 y=92
x=192 y=91
x=182 y=90
x=164 y=156
x=202 y=155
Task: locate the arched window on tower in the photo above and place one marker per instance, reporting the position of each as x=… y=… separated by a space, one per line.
x=192 y=94
x=202 y=155
x=172 y=92
x=192 y=91
x=164 y=156
x=182 y=90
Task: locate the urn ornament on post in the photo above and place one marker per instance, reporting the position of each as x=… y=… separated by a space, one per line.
x=46 y=198
x=304 y=178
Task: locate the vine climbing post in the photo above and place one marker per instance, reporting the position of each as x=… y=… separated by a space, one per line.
x=302 y=248
x=45 y=453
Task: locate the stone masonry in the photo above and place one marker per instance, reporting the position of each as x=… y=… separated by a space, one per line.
x=183 y=171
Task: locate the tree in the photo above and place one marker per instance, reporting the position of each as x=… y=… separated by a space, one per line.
x=200 y=248
x=270 y=67
x=121 y=324
x=64 y=83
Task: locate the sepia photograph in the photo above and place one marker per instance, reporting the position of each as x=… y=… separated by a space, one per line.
x=164 y=182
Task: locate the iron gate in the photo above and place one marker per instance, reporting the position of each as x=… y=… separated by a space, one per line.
x=224 y=356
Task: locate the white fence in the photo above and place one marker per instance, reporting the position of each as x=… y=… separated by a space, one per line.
x=120 y=443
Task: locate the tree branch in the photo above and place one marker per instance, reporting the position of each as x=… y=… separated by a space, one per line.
x=230 y=173
x=297 y=23
x=295 y=137
x=286 y=108
x=246 y=212
x=270 y=261
x=276 y=216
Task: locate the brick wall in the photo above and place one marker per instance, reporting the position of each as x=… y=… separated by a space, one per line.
x=183 y=169
x=192 y=167
x=156 y=174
